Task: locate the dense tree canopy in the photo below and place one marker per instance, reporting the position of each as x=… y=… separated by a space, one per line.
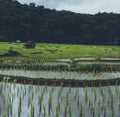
x=30 y=22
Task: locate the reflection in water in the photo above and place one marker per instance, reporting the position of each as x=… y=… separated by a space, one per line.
x=45 y=100
x=62 y=74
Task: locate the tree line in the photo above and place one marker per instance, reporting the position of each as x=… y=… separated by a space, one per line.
x=30 y=22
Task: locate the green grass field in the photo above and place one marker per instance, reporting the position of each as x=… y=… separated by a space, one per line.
x=61 y=50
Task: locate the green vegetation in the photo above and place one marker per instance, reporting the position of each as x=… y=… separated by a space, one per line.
x=46 y=98
x=65 y=57
x=31 y=22
x=60 y=51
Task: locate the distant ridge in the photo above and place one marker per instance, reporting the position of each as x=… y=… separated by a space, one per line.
x=30 y=22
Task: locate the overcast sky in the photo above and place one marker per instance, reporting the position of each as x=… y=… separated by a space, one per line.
x=80 y=6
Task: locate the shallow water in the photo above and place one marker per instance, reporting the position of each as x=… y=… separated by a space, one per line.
x=64 y=60
x=61 y=75
x=85 y=59
x=110 y=59
x=11 y=94
x=99 y=63
x=89 y=59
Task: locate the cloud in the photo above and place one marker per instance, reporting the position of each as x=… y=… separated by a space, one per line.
x=53 y=3
x=81 y=6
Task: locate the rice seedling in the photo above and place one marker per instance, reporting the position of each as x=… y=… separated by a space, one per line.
x=19 y=107
x=57 y=110
x=44 y=115
x=32 y=110
x=81 y=110
x=4 y=115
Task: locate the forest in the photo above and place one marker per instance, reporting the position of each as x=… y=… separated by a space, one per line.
x=33 y=22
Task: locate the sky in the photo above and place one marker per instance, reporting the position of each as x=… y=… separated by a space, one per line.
x=79 y=6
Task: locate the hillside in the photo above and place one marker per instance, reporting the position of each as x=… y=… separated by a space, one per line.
x=30 y=22
x=58 y=51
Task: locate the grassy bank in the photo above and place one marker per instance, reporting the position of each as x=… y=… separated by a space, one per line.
x=69 y=51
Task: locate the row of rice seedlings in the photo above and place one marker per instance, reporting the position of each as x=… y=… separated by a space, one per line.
x=102 y=105
x=37 y=63
x=30 y=93
x=51 y=74
x=25 y=60
x=30 y=64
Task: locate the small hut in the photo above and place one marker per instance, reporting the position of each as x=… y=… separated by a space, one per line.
x=29 y=44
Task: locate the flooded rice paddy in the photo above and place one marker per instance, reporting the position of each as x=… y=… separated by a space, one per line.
x=90 y=59
x=61 y=74
x=23 y=100
x=20 y=100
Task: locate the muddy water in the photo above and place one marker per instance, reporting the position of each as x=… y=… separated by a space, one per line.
x=61 y=75
x=30 y=94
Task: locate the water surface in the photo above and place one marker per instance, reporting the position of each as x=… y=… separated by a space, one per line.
x=61 y=74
